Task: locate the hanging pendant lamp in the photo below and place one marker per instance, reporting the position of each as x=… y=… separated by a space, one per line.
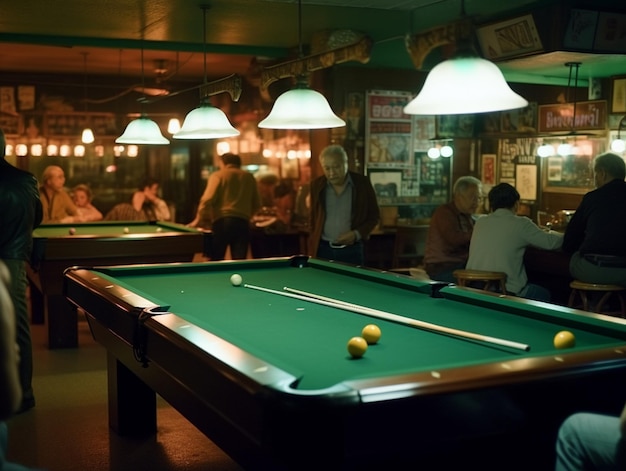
x=206 y=121
x=301 y=107
x=87 y=136
x=142 y=130
x=464 y=84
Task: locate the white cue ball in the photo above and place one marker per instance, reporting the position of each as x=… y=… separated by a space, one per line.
x=126 y=230
x=236 y=279
x=159 y=229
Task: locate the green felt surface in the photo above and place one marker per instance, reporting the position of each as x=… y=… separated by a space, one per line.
x=115 y=228
x=309 y=340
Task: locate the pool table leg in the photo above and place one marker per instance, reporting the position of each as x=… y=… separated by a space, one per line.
x=62 y=322
x=132 y=404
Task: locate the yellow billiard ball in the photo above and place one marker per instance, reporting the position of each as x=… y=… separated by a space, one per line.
x=126 y=230
x=371 y=333
x=564 y=339
x=357 y=346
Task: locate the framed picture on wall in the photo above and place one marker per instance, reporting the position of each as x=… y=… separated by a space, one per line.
x=618 y=95
x=488 y=169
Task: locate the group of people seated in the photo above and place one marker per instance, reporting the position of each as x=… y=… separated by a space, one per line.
x=594 y=238
x=458 y=238
x=75 y=206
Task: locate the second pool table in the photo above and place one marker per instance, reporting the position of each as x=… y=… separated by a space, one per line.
x=268 y=378
x=97 y=243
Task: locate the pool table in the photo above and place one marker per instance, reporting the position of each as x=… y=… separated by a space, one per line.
x=268 y=377
x=99 y=243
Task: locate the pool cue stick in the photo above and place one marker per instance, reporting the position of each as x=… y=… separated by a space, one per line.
x=394 y=318
x=368 y=311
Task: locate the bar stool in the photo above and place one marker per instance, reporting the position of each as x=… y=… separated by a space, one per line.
x=497 y=279
x=582 y=290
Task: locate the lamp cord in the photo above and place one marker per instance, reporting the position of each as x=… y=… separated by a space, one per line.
x=204 y=9
x=571 y=66
x=300 y=49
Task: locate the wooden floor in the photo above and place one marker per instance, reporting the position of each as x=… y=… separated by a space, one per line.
x=68 y=428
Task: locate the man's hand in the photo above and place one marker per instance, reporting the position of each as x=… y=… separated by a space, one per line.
x=347 y=238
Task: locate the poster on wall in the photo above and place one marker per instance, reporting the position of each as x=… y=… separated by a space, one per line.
x=518 y=166
x=389 y=154
x=526 y=181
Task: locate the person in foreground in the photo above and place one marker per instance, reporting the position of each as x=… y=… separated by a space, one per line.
x=450 y=231
x=20 y=213
x=596 y=234
x=10 y=390
x=230 y=199
x=592 y=442
x=344 y=210
x=500 y=239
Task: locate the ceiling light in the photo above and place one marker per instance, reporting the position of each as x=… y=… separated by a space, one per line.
x=87 y=135
x=464 y=85
x=302 y=107
x=142 y=131
x=206 y=121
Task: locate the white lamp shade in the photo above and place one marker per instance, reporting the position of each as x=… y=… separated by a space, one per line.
x=142 y=131
x=87 y=136
x=464 y=85
x=206 y=122
x=618 y=145
x=301 y=108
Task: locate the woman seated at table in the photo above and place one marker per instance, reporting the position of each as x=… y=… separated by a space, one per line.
x=145 y=205
x=499 y=241
x=81 y=195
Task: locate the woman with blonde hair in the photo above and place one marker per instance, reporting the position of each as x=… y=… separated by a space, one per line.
x=82 y=196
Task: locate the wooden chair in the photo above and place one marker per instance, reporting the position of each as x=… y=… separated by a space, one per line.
x=487 y=278
x=409 y=246
x=584 y=290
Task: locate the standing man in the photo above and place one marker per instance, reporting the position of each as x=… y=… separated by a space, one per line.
x=230 y=199
x=57 y=203
x=344 y=210
x=21 y=213
x=596 y=234
x=450 y=231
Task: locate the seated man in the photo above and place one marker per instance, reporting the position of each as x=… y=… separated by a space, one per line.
x=596 y=234
x=145 y=205
x=58 y=206
x=592 y=442
x=500 y=240
x=450 y=231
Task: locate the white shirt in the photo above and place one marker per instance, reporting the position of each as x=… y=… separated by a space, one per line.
x=499 y=241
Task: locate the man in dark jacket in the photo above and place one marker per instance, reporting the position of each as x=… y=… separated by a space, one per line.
x=596 y=234
x=20 y=213
x=344 y=210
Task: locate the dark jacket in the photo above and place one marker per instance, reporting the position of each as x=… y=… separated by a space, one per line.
x=365 y=212
x=20 y=212
x=599 y=223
